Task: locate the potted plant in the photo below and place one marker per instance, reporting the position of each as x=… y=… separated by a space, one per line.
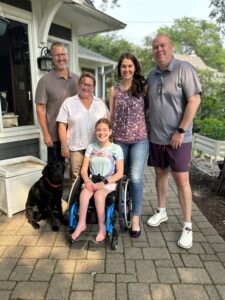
x=3 y=23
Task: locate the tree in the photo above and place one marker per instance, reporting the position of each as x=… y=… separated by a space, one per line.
x=213 y=94
x=108 y=45
x=106 y=2
x=200 y=37
x=218 y=12
x=210 y=118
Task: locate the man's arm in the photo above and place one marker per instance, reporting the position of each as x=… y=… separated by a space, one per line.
x=189 y=114
x=40 y=109
x=62 y=129
x=190 y=111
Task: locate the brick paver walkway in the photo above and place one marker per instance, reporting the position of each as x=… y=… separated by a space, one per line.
x=41 y=264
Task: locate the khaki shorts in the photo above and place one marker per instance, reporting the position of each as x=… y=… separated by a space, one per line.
x=76 y=160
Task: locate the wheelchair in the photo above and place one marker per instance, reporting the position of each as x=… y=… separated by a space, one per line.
x=118 y=206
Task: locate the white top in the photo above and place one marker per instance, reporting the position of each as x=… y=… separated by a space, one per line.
x=81 y=121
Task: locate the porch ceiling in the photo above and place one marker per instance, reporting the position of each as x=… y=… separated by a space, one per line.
x=87 y=19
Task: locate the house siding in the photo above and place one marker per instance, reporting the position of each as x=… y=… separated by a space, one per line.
x=23 y=4
x=19 y=148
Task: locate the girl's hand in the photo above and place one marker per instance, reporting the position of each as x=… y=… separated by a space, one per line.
x=98 y=186
x=89 y=186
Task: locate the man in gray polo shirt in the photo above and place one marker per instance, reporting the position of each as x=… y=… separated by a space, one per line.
x=174 y=96
x=52 y=89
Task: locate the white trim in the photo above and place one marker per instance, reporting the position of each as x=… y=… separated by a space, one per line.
x=74 y=50
x=33 y=68
x=16 y=13
x=24 y=17
x=19 y=135
x=47 y=16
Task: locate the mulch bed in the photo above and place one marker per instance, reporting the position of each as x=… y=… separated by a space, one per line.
x=210 y=204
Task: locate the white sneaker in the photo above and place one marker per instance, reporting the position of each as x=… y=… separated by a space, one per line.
x=157 y=218
x=186 y=239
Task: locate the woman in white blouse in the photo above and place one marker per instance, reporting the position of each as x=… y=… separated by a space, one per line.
x=76 y=122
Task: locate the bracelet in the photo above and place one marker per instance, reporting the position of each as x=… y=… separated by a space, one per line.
x=62 y=147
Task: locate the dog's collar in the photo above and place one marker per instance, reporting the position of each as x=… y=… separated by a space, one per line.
x=52 y=184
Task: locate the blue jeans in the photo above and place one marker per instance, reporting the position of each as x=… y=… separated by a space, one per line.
x=135 y=156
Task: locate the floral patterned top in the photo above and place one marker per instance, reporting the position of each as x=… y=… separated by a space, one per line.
x=129 y=124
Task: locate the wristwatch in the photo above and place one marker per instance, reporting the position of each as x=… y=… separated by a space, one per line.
x=181 y=130
x=105 y=181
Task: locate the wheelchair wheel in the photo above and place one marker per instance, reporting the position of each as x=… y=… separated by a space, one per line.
x=74 y=191
x=114 y=243
x=73 y=204
x=114 y=240
x=124 y=204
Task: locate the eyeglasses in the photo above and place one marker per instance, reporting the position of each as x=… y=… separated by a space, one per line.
x=60 y=54
x=85 y=85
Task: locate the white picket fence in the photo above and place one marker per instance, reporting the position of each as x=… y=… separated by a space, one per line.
x=212 y=149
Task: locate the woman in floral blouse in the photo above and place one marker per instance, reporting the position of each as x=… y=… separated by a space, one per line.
x=127 y=114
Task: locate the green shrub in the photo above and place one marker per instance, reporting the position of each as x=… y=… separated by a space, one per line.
x=210 y=127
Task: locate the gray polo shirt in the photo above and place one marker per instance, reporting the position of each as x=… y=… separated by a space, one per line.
x=52 y=90
x=168 y=91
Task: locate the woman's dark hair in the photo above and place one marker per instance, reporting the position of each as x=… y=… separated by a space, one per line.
x=138 y=84
x=103 y=120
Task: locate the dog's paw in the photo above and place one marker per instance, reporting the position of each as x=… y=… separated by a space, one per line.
x=34 y=225
x=55 y=228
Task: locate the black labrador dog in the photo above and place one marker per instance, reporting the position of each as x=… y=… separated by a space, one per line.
x=44 y=198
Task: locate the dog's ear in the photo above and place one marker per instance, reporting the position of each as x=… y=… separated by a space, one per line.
x=63 y=165
x=45 y=171
x=53 y=153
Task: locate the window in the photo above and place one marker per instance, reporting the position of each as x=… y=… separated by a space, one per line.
x=15 y=76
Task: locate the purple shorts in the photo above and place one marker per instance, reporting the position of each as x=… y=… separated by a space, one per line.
x=164 y=156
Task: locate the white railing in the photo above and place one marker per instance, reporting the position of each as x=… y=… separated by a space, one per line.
x=214 y=149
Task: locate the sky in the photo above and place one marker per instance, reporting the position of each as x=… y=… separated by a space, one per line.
x=144 y=17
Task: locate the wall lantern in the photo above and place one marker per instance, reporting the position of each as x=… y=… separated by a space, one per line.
x=3 y=23
x=45 y=60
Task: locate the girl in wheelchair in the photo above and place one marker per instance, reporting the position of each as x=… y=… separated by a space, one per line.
x=102 y=167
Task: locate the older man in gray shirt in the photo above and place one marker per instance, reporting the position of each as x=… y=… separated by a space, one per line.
x=174 y=96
